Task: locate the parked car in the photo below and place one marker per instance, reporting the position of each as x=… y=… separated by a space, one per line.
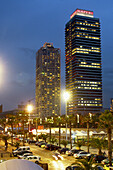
x=88 y=157
x=25 y=155
x=50 y=147
x=73 y=167
x=81 y=154
x=107 y=167
x=100 y=168
x=106 y=161
x=31 y=141
x=38 y=142
x=57 y=147
x=63 y=150
x=32 y=158
x=72 y=152
x=99 y=158
x=23 y=152
x=21 y=149
x=43 y=145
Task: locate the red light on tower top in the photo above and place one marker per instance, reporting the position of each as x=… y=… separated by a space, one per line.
x=82 y=13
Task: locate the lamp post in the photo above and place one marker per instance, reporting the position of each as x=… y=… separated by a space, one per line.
x=66 y=96
x=29 y=109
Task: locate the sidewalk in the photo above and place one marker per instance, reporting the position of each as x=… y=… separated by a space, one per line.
x=6 y=154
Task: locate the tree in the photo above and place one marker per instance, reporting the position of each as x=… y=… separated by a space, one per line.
x=49 y=121
x=88 y=120
x=3 y=122
x=11 y=122
x=79 y=143
x=70 y=120
x=64 y=142
x=5 y=139
x=24 y=120
x=17 y=144
x=106 y=122
x=43 y=136
x=53 y=140
x=99 y=143
x=31 y=136
x=85 y=165
x=57 y=122
x=36 y=121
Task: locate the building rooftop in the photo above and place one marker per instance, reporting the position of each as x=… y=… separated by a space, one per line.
x=82 y=12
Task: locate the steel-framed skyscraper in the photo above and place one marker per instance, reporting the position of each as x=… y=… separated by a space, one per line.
x=48 y=81
x=83 y=63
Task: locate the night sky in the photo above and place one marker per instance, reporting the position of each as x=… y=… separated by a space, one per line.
x=25 y=25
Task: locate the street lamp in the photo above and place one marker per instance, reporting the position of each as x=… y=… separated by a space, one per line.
x=66 y=96
x=29 y=109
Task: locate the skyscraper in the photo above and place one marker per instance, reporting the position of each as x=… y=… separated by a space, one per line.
x=83 y=63
x=48 y=80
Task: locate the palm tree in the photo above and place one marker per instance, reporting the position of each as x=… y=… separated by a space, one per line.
x=106 y=122
x=85 y=165
x=87 y=119
x=79 y=143
x=50 y=121
x=5 y=139
x=36 y=121
x=57 y=122
x=69 y=120
x=98 y=143
x=53 y=140
x=3 y=122
x=43 y=136
x=24 y=120
x=64 y=142
x=11 y=122
x=17 y=144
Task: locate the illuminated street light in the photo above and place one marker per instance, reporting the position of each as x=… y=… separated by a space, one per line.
x=29 y=109
x=66 y=96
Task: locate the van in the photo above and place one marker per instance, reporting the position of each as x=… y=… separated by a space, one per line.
x=22 y=149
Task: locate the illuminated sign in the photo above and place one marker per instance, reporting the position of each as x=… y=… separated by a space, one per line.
x=82 y=13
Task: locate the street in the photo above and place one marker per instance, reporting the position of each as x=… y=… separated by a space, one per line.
x=46 y=157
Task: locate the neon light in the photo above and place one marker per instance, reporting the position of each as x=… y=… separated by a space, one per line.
x=79 y=11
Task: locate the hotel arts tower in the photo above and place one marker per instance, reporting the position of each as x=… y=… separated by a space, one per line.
x=83 y=63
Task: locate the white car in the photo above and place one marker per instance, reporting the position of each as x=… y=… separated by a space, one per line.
x=32 y=158
x=24 y=155
x=81 y=154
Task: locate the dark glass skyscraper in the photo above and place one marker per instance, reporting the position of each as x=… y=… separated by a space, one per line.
x=83 y=63
x=48 y=81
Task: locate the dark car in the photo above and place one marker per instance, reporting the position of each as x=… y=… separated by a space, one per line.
x=63 y=150
x=90 y=156
x=72 y=152
x=56 y=147
x=73 y=167
x=31 y=141
x=99 y=158
x=50 y=147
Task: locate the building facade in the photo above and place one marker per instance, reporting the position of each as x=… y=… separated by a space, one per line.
x=83 y=63
x=48 y=81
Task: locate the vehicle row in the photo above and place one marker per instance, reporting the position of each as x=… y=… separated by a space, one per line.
x=24 y=152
